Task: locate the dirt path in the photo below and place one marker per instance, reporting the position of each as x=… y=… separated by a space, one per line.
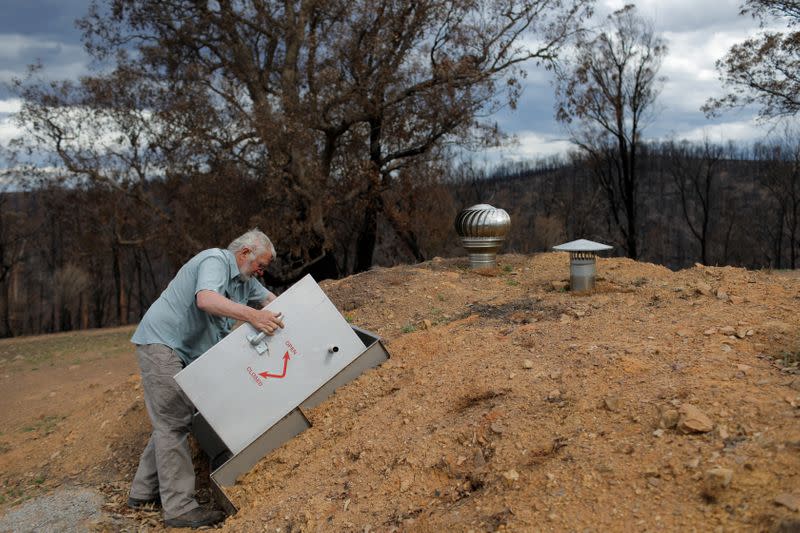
x=64 y=399
x=41 y=375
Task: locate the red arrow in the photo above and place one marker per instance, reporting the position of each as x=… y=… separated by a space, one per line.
x=285 y=364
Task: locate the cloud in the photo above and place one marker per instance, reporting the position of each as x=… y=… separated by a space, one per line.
x=46 y=17
x=698 y=34
x=60 y=60
x=696 y=38
x=739 y=131
x=690 y=66
x=12 y=105
x=13 y=46
x=530 y=145
x=8 y=130
x=685 y=15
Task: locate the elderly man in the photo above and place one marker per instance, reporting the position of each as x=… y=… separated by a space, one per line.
x=197 y=309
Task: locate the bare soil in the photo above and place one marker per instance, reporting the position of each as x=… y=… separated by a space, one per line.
x=509 y=403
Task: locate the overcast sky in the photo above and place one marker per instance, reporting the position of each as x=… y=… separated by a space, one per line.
x=697 y=33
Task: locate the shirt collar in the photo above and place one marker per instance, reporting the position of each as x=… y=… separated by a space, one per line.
x=233 y=268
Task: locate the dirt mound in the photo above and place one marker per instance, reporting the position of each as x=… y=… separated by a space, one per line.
x=662 y=400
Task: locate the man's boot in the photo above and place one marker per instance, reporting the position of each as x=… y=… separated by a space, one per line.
x=197 y=517
x=138 y=503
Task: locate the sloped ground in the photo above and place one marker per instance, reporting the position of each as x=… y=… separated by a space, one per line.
x=661 y=401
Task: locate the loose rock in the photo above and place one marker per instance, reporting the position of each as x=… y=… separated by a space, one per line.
x=604 y=468
x=787 y=525
x=511 y=476
x=668 y=418
x=478 y=459
x=703 y=288
x=498 y=428
x=716 y=481
x=612 y=403
x=790 y=501
x=693 y=420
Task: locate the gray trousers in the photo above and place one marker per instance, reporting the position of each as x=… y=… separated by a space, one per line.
x=165 y=467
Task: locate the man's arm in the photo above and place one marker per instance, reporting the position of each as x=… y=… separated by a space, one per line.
x=214 y=303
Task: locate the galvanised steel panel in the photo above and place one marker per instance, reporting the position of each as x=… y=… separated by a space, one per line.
x=285 y=429
x=241 y=394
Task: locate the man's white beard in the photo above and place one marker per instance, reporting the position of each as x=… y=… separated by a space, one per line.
x=243 y=273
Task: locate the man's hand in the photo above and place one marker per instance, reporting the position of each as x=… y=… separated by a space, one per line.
x=216 y=304
x=266 y=321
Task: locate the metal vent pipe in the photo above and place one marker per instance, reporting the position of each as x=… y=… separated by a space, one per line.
x=482 y=229
x=582 y=262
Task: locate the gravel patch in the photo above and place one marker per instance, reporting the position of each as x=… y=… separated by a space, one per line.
x=66 y=510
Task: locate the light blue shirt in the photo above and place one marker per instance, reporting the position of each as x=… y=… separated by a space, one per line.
x=175 y=320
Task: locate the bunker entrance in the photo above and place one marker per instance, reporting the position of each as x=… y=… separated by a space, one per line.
x=250 y=390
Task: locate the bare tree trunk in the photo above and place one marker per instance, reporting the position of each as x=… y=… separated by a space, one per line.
x=84 y=307
x=54 y=264
x=367 y=236
x=119 y=285
x=368 y=233
x=794 y=221
x=778 y=242
x=139 y=283
x=128 y=296
x=6 y=305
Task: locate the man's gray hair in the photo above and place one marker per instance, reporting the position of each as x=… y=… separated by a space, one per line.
x=255 y=240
